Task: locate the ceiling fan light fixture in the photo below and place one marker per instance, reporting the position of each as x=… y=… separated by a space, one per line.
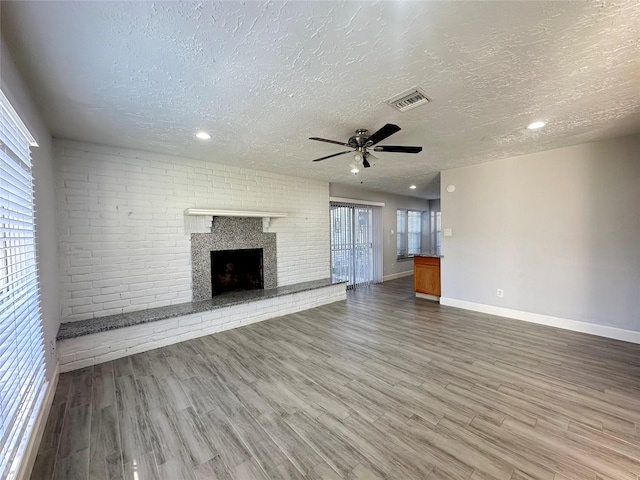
x=536 y=125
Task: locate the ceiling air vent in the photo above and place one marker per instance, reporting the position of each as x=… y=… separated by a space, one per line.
x=408 y=99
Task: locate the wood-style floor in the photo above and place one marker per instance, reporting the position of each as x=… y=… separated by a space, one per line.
x=380 y=386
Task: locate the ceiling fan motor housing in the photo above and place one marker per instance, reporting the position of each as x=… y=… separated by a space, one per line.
x=360 y=139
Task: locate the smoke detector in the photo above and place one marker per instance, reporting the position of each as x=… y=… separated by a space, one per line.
x=412 y=98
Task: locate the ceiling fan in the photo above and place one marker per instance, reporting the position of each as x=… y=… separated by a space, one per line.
x=362 y=141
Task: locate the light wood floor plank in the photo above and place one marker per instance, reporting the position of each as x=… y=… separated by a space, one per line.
x=380 y=386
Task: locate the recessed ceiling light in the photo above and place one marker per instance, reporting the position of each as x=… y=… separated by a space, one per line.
x=536 y=125
x=203 y=135
x=413 y=187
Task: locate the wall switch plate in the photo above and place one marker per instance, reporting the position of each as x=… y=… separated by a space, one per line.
x=448 y=232
x=500 y=293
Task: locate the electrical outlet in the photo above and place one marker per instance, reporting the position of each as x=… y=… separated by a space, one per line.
x=52 y=348
x=500 y=293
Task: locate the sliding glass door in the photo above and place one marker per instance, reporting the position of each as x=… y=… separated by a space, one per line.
x=356 y=256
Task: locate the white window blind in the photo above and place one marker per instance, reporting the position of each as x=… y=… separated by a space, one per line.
x=356 y=246
x=401 y=229
x=22 y=369
x=436 y=232
x=412 y=233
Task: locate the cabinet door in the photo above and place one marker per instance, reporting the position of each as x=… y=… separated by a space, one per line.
x=426 y=279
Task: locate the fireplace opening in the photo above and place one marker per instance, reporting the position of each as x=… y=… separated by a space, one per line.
x=236 y=270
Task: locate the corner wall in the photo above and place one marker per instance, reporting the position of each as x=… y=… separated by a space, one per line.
x=392 y=267
x=558 y=231
x=125 y=240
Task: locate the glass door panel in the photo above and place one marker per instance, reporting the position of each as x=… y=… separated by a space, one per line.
x=352 y=256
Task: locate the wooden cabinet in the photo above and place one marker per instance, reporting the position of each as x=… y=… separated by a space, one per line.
x=426 y=275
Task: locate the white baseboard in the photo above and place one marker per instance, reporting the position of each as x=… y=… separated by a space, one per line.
x=33 y=444
x=393 y=276
x=426 y=296
x=564 y=323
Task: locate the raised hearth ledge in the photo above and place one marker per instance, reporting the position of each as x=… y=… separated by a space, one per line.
x=102 y=324
x=165 y=326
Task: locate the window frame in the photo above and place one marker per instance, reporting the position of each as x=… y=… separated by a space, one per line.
x=435 y=231
x=22 y=362
x=403 y=236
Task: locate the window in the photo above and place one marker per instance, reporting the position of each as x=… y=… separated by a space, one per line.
x=436 y=232
x=22 y=368
x=401 y=229
x=356 y=255
x=412 y=233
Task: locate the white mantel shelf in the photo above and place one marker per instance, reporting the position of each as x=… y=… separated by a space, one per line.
x=233 y=213
x=210 y=212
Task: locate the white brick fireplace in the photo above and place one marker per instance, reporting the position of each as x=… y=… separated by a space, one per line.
x=124 y=238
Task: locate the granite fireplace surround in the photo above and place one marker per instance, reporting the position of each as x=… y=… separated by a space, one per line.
x=231 y=233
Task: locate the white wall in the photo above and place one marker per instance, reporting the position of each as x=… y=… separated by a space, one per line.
x=558 y=231
x=124 y=238
x=16 y=91
x=391 y=265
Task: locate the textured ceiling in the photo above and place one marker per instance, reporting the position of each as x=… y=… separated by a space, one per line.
x=262 y=77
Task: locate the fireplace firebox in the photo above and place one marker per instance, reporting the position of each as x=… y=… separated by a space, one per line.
x=236 y=270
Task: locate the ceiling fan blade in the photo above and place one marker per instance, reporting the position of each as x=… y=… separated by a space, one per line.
x=334 y=155
x=386 y=131
x=329 y=141
x=397 y=149
x=366 y=157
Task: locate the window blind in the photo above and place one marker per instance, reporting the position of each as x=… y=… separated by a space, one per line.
x=401 y=230
x=356 y=246
x=22 y=370
x=436 y=231
x=412 y=233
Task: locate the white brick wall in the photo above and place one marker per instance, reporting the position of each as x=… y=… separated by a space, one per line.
x=124 y=239
x=101 y=347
